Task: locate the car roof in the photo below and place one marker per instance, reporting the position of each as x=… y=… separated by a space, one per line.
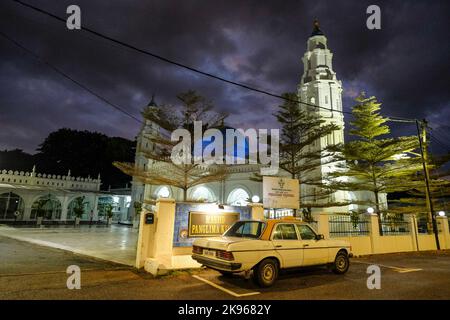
x=270 y=223
x=278 y=220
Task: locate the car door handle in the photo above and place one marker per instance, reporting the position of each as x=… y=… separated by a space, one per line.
x=306 y=245
x=278 y=246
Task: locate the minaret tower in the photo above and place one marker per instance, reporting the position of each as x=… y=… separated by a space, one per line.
x=149 y=130
x=319 y=86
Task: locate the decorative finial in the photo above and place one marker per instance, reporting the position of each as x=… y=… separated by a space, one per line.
x=316 y=29
x=68 y=173
x=316 y=24
x=152 y=102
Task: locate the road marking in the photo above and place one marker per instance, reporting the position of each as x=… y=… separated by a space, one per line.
x=404 y=270
x=234 y=294
x=397 y=269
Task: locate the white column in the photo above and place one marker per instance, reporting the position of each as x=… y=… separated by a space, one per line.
x=28 y=203
x=155 y=241
x=444 y=234
x=374 y=233
x=414 y=230
x=322 y=224
x=64 y=208
x=257 y=211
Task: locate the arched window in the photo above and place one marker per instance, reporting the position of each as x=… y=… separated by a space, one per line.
x=78 y=202
x=163 y=192
x=203 y=194
x=238 y=197
x=320 y=45
x=49 y=207
x=10 y=203
x=352 y=196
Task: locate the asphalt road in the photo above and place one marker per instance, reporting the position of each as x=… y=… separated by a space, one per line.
x=28 y=271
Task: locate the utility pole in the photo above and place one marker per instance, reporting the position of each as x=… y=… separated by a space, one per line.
x=422 y=134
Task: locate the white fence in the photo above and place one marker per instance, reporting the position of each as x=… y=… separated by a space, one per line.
x=396 y=236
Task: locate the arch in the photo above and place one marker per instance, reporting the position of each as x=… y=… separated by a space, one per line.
x=103 y=203
x=74 y=203
x=10 y=203
x=203 y=193
x=238 y=197
x=48 y=206
x=352 y=198
x=320 y=45
x=163 y=192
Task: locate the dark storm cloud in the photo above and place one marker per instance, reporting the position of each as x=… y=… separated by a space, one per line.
x=405 y=64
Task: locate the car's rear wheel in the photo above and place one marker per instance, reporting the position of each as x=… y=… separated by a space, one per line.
x=341 y=263
x=266 y=272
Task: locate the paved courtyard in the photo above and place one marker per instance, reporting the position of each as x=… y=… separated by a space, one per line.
x=113 y=243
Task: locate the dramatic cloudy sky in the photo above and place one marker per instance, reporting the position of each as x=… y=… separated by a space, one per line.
x=405 y=64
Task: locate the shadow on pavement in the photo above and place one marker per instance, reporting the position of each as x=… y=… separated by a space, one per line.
x=287 y=280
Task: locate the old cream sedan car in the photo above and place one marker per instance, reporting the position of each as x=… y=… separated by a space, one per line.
x=269 y=246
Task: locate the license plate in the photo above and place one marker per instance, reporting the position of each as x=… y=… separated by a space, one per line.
x=210 y=253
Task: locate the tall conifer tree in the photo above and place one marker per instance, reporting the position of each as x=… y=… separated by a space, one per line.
x=299 y=130
x=372 y=162
x=161 y=170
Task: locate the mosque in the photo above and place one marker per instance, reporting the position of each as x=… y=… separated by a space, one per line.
x=320 y=86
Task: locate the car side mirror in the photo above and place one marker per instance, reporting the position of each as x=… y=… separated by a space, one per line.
x=320 y=237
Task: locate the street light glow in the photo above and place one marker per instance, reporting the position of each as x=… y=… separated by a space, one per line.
x=164 y=192
x=255 y=199
x=370 y=210
x=441 y=213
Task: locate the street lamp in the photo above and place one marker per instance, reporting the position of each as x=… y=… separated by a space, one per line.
x=441 y=214
x=370 y=210
x=255 y=199
x=164 y=192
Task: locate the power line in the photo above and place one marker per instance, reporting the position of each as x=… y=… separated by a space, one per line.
x=435 y=138
x=59 y=71
x=170 y=61
x=437 y=134
x=447 y=147
x=441 y=132
x=440 y=124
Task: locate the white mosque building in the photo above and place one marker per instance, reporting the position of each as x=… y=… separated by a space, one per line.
x=320 y=86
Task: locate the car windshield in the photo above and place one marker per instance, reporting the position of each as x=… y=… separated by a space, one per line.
x=246 y=229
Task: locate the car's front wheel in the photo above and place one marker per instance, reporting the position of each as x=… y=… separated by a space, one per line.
x=266 y=272
x=341 y=263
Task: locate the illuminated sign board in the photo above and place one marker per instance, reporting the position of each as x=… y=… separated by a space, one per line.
x=207 y=224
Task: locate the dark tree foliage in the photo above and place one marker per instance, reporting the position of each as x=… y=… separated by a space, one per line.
x=84 y=153
x=16 y=160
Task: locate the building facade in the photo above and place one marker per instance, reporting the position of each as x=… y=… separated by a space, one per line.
x=22 y=193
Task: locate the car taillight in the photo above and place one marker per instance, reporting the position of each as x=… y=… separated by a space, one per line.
x=197 y=249
x=226 y=255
